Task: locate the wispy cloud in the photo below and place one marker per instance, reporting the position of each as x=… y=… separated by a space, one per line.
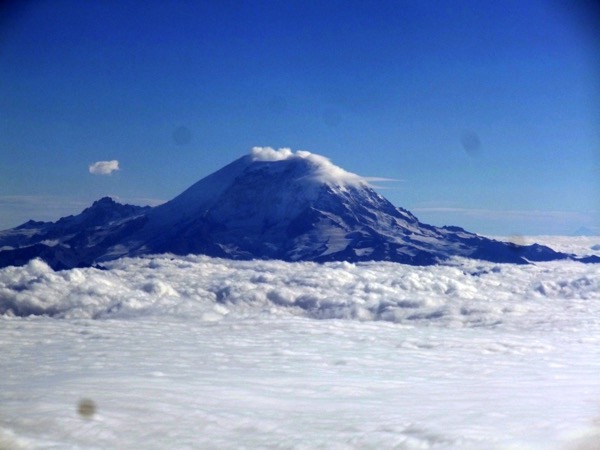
x=505 y=222
x=504 y=214
x=377 y=179
x=104 y=167
x=374 y=182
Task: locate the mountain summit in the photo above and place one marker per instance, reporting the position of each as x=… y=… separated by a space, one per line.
x=270 y=204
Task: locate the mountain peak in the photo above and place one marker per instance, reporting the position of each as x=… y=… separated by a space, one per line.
x=269 y=204
x=319 y=168
x=105 y=201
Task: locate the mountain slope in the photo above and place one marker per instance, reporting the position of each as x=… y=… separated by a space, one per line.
x=269 y=205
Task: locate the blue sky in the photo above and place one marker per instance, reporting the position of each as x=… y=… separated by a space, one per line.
x=488 y=113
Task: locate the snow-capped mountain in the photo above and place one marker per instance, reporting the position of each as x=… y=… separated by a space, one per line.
x=270 y=204
x=73 y=241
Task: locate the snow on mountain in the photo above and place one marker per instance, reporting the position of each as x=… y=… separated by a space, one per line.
x=270 y=204
x=73 y=240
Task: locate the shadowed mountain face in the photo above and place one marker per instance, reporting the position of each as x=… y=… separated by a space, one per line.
x=267 y=205
x=73 y=241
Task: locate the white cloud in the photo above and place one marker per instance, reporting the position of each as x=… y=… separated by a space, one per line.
x=270 y=154
x=383 y=179
x=104 y=167
x=202 y=287
x=330 y=173
x=325 y=170
x=263 y=358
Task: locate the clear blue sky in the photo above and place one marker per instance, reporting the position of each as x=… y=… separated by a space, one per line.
x=488 y=112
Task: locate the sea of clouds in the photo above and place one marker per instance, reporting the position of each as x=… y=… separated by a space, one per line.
x=196 y=352
x=462 y=293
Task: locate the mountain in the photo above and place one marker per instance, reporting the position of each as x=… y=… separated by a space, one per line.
x=270 y=204
x=73 y=241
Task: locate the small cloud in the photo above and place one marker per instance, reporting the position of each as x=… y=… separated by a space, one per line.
x=270 y=154
x=104 y=167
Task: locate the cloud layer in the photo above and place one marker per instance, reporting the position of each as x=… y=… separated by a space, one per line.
x=104 y=167
x=209 y=353
x=469 y=293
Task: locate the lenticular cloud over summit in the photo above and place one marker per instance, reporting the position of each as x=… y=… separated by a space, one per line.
x=270 y=154
x=324 y=170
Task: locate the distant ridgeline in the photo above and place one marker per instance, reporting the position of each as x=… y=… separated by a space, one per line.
x=271 y=204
